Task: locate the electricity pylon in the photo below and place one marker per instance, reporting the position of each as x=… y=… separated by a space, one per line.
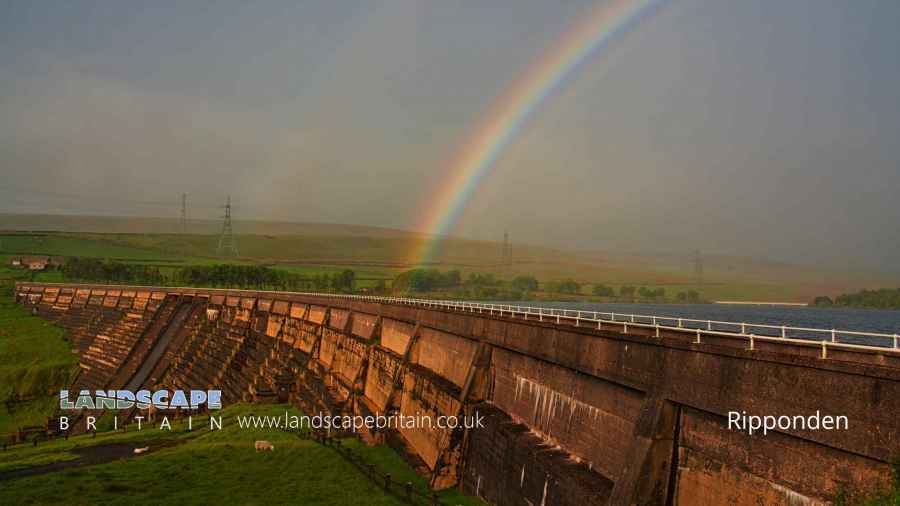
x=227 y=243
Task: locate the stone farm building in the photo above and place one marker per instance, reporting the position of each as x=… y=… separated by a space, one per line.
x=35 y=262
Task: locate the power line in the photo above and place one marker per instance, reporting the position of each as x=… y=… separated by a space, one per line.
x=506 y=254
x=76 y=196
x=698 y=268
x=184 y=213
x=227 y=243
x=93 y=198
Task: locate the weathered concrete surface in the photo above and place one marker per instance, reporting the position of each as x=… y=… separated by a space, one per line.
x=593 y=419
x=717 y=466
x=576 y=415
x=506 y=463
x=648 y=467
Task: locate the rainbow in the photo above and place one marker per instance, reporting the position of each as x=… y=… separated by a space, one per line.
x=509 y=113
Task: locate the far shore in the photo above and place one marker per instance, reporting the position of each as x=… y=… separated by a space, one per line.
x=760 y=303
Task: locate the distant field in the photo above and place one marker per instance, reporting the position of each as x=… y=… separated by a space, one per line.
x=79 y=245
x=143 y=225
x=375 y=253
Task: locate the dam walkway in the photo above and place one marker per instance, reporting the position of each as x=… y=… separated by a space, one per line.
x=752 y=333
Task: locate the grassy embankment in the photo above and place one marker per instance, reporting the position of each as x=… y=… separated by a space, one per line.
x=35 y=362
x=211 y=467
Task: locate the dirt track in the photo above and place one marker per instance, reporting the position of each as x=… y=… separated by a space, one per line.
x=89 y=456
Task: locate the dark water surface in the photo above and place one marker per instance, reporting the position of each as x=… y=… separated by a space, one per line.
x=861 y=320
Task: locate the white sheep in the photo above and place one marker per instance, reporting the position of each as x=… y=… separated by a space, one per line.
x=265 y=446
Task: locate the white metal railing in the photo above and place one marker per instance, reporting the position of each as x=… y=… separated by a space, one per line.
x=826 y=338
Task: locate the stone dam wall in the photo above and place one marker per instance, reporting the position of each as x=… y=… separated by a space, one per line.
x=574 y=415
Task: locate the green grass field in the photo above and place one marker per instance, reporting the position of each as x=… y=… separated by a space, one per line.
x=87 y=245
x=211 y=467
x=380 y=254
x=35 y=363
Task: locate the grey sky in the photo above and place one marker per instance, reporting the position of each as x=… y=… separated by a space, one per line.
x=766 y=128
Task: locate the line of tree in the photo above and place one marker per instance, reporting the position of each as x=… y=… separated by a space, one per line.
x=884 y=298
x=228 y=275
x=426 y=280
x=110 y=271
x=263 y=277
x=602 y=290
x=525 y=283
x=479 y=279
x=488 y=286
x=477 y=285
x=688 y=296
x=651 y=293
x=566 y=286
x=628 y=292
x=258 y=277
